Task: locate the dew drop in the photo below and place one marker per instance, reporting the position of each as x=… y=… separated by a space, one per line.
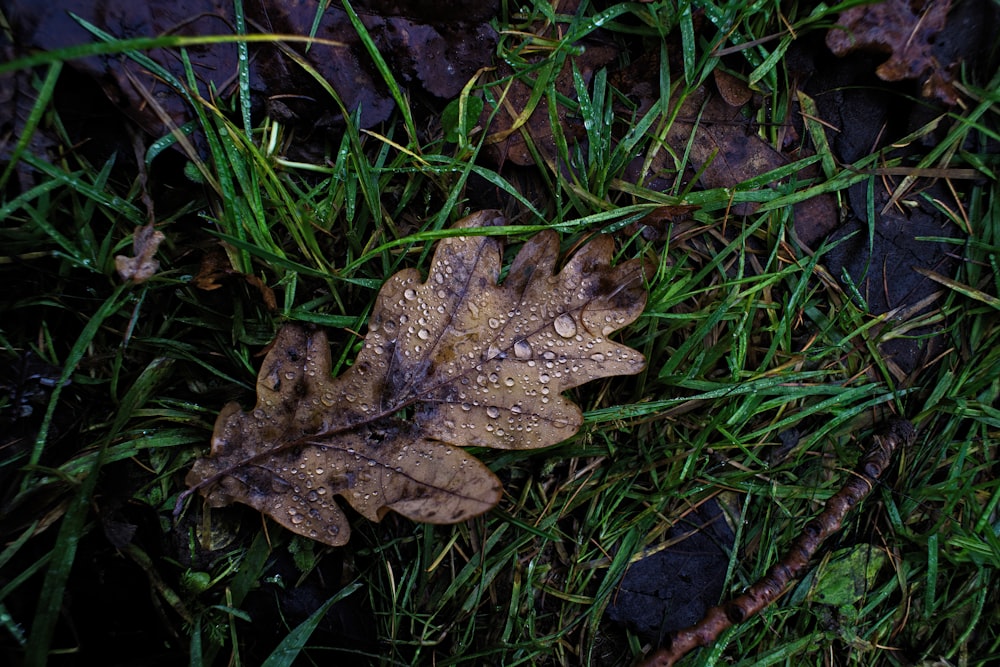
x=297 y=519
x=522 y=349
x=509 y=382
x=423 y=334
x=410 y=294
x=493 y=411
x=565 y=326
x=494 y=323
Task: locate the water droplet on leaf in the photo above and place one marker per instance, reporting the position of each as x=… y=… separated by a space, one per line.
x=565 y=325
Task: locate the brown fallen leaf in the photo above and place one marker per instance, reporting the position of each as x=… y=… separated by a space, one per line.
x=216 y=266
x=141 y=266
x=906 y=31
x=453 y=361
x=734 y=90
x=430 y=50
x=507 y=141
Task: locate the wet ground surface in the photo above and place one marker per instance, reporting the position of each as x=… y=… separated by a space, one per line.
x=877 y=249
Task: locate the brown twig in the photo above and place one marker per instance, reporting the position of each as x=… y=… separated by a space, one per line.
x=795 y=562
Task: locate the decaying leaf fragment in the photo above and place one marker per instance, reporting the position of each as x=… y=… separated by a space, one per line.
x=142 y=265
x=453 y=361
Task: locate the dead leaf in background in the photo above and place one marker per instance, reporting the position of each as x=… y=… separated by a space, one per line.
x=428 y=49
x=907 y=31
x=733 y=89
x=141 y=266
x=216 y=267
x=507 y=139
x=524 y=120
x=725 y=150
x=454 y=361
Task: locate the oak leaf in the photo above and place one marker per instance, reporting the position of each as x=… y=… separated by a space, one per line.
x=454 y=361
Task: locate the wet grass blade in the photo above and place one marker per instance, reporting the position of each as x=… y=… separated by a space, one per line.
x=388 y=77
x=288 y=650
x=111 y=305
x=72 y=528
x=44 y=97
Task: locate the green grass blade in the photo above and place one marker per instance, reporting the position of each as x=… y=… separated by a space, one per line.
x=287 y=651
x=385 y=71
x=107 y=309
x=45 y=91
x=72 y=526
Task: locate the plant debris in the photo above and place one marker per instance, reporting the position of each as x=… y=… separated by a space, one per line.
x=216 y=267
x=142 y=265
x=451 y=362
x=904 y=29
x=795 y=562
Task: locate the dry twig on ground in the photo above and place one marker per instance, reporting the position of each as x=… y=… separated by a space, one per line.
x=795 y=562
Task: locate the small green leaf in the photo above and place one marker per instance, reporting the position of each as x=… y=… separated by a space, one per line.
x=192 y=173
x=303 y=553
x=846 y=577
x=456 y=126
x=196 y=582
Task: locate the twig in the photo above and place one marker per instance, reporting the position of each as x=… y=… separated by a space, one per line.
x=795 y=562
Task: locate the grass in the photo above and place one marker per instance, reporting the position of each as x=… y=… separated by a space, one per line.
x=749 y=339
